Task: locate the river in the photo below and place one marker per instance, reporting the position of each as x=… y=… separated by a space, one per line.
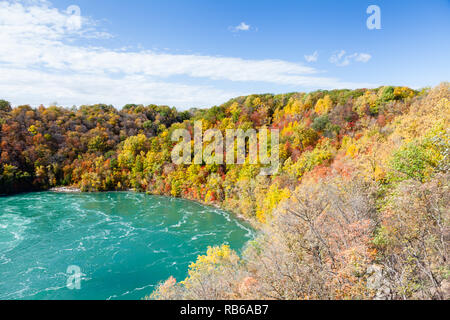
x=105 y=245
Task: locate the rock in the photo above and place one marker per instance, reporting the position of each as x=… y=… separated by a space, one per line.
x=378 y=282
x=445 y=287
x=66 y=190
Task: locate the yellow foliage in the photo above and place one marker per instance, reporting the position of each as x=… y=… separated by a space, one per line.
x=33 y=130
x=363 y=103
x=310 y=159
x=379 y=174
x=323 y=106
x=352 y=151
x=271 y=200
x=403 y=92
x=132 y=147
x=301 y=136
x=419 y=120
x=215 y=258
x=294 y=107
x=164 y=134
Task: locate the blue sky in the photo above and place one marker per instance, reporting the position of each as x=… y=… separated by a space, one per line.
x=203 y=52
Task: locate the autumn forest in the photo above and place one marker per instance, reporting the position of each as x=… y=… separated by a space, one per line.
x=359 y=208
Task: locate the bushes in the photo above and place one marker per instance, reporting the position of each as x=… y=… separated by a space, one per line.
x=413 y=161
x=5 y=106
x=420 y=158
x=320 y=123
x=323 y=106
x=387 y=94
x=97 y=144
x=369 y=217
x=315 y=248
x=13 y=180
x=323 y=124
x=271 y=199
x=413 y=239
x=212 y=277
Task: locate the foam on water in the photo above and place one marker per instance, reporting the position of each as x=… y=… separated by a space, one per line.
x=124 y=243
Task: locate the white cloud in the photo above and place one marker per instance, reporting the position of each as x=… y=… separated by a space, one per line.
x=337 y=57
x=363 y=57
x=241 y=27
x=41 y=61
x=341 y=59
x=36 y=87
x=313 y=57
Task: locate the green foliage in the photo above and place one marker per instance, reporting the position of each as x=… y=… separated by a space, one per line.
x=5 y=106
x=323 y=124
x=412 y=161
x=387 y=94
x=416 y=160
x=320 y=123
x=97 y=144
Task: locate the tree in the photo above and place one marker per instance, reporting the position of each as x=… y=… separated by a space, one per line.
x=323 y=106
x=413 y=239
x=5 y=106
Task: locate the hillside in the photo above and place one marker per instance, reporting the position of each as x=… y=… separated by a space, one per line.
x=359 y=208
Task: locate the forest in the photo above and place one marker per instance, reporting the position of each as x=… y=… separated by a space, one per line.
x=359 y=208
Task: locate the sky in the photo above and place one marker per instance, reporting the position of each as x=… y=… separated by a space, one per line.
x=200 y=53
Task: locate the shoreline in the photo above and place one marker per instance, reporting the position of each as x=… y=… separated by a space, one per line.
x=65 y=190
x=239 y=216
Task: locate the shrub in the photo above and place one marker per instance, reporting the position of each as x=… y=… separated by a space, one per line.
x=5 y=106
x=320 y=123
x=323 y=106
x=416 y=160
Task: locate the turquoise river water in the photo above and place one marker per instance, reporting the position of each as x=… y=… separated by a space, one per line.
x=117 y=245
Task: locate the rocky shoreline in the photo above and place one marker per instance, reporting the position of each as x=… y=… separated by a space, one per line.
x=65 y=190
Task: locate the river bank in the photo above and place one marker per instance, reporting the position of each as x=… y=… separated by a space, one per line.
x=65 y=190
